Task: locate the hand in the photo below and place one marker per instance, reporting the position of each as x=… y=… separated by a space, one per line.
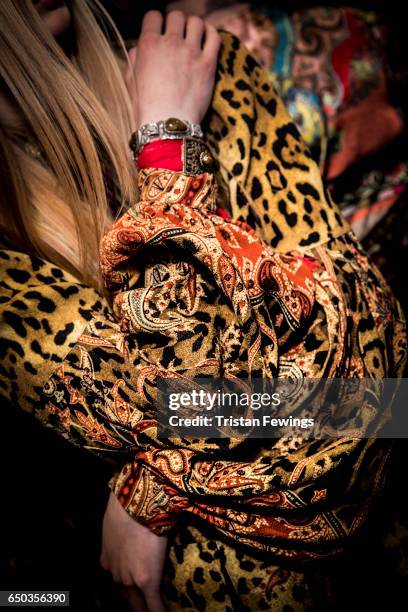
x=132 y=553
x=173 y=74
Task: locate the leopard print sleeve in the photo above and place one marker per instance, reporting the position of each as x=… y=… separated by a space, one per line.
x=44 y=314
x=43 y=311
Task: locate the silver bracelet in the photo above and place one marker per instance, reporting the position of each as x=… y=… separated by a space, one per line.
x=171 y=128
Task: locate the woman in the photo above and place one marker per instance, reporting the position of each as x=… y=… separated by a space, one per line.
x=190 y=291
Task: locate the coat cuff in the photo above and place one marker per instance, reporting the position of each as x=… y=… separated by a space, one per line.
x=145 y=497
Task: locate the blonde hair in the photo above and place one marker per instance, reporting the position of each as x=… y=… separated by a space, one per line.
x=77 y=112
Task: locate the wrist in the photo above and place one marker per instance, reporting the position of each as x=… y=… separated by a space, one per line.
x=172 y=128
x=188 y=155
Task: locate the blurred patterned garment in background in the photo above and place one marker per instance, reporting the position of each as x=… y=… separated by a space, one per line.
x=329 y=67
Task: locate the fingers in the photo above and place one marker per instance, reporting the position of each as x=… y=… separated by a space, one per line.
x=191 y=30
x=135 y=599
x=195 y=31
x=153 y=600
x=175 y=23
x=152 y=23
x=212 y=41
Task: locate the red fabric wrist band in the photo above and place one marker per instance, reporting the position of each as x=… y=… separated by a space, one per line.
x=166 y=154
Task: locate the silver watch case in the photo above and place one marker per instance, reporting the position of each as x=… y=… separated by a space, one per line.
x=171 y=128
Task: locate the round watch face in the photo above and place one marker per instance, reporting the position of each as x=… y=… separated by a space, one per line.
x=175 y=125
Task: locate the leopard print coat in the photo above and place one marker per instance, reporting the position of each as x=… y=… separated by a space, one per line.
x=279 y=288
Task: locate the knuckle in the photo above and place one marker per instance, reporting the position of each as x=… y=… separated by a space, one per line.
x=143 y=580
x=148 y=39
x=149 y=35
x=190 y=51
x=208 y=62
x=173 y=39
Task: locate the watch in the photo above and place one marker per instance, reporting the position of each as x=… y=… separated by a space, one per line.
x=171 y=128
